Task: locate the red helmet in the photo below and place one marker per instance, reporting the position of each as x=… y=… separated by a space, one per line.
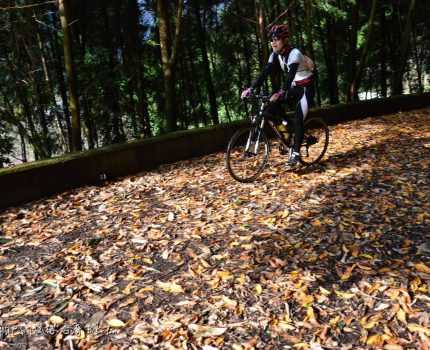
x=280 y=31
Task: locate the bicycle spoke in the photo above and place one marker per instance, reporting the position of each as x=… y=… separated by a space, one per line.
x=315 y=141
x=247 y=154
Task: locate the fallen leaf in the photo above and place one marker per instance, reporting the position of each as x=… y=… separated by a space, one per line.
x=170 y=287
x=375 y=340
x=421 y=267
x=258 y=289
x=393 y=347
x=206 y=331
x=413 y=327
x=115 y=323
x=56 y=320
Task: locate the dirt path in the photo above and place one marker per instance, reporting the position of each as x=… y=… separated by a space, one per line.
x=334 y=257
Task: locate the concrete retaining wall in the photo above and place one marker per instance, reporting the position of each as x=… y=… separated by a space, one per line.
x=35 y=180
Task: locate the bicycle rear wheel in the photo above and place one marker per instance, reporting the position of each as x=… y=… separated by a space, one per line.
x=315 y=141
x=247 y=154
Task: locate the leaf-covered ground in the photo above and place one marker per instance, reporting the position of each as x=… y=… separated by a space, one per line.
x=184 y=257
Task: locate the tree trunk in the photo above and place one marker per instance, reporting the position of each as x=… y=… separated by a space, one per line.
x=404 y=50
x=168 y=58
x=418 y=63
x=63 y=130
x=206 y=67
x=39 y=95
x=23 y=146
x=383 y=52
x=133 y=61
x=332 y=61
x=309 y=43
x=59 y=69
x=110 y=88
x=355 y=84
x=22 y=95
x=259 y=15
x=71 y=76
x=352 y=61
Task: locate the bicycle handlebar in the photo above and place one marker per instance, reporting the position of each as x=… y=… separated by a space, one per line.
x=257 y=97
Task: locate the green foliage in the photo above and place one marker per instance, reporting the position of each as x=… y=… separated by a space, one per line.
x=328 y=8
x=116 y=49
x=6 y=144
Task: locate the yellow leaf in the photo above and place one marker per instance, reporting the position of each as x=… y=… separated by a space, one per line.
x=51 y=283
x=393 y=347
x=413 y=327
x=401 y=315
x=8 y=267
x=285 y=326
x=16 y=311
x=146 y=289
x=170 y=287
x=421 y=267
x=347 y=274
x=345 y=295
x=310 y=313
x=258 y=289
x=392 y=293
x=304 y=299
x=370 y=325
x=241 y=279
x=226 y=302
x=56 y=320
x=364 y=267
x=224 y=275
x=324 y=291
x=206 y=331
x=334 y=320
x=375 y=340
x=115 y=323
x=316 y=223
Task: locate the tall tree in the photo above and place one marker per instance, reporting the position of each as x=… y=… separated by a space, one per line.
x=382 y=50
x=202 y=36
x=168 y=57
x=404 y=51
x=310 y=42
x=71 y=75
x=355 y=84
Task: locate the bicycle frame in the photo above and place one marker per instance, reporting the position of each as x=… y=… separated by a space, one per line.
x=259 y=122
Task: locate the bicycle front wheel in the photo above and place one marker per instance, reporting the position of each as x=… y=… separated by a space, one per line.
x=315 y=141
x=247 y=154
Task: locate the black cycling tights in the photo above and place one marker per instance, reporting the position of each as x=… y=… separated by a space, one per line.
x=302 y=97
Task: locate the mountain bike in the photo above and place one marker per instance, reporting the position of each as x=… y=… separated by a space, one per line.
x=249 y=148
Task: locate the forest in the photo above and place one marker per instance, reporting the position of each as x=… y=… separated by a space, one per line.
x=79 y=75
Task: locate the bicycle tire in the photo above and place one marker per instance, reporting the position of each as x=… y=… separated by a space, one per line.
x=236 y=154
x=316 y=137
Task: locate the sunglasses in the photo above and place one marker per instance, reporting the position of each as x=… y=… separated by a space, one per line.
x=274 y=38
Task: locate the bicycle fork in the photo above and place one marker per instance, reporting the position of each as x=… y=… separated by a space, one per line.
x=253 y=143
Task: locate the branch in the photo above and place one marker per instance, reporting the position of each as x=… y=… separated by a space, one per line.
x=247 y=19
x=24 y=7
x=282 y=15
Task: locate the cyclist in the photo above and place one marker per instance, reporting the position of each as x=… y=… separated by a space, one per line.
x=298 y=85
